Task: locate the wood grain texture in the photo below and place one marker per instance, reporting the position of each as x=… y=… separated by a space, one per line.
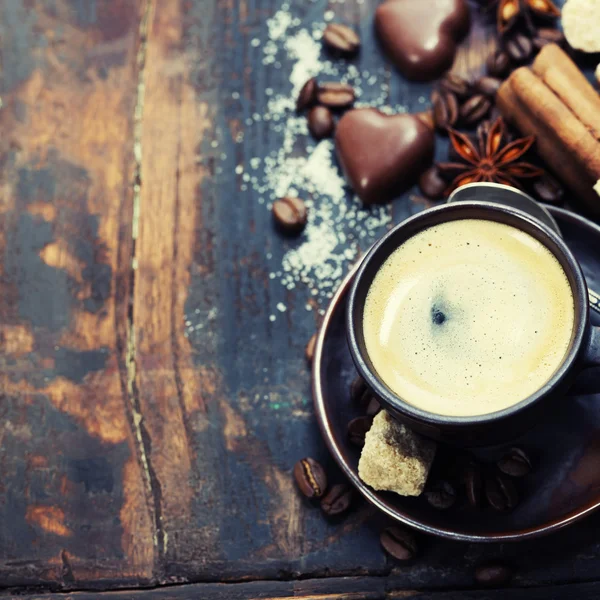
x=73 y=497
x=155 y=395
x=335 y=588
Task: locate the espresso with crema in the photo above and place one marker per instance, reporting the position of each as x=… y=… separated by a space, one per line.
x=468 y=317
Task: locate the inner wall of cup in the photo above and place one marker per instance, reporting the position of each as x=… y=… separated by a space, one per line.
x=397 y=237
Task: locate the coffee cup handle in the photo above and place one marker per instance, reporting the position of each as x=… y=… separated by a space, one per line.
x=591 y=356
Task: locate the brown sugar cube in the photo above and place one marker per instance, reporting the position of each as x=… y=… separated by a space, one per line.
x=394 y=458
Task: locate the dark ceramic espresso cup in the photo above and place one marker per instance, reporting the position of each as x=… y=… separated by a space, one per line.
x=583 y=351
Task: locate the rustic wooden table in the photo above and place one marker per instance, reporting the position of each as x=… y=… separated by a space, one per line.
x=154 y=389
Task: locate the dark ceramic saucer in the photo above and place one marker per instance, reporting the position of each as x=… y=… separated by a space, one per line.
x=565 y=448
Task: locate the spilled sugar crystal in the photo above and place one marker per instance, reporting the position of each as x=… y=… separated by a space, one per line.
x=338 y=227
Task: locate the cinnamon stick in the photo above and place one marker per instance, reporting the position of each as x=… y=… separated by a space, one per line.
x=564 y=78
x=554 y=104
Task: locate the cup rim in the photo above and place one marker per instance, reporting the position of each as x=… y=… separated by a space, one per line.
x=542 y=233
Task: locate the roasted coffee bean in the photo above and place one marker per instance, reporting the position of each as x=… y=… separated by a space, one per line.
x=548 y=35
x=515 y=463
x=373 y=407
x=308 y=95
x=320 y=122
x=473 y=484
x=290 y=214
x=547 y=189
x=357 y=389
x=498 y=64
x=336 y=95
x=500 y=492
x=357 y=430
x=474 y=109
x=337 y=500
x=340 y=38
x=310 y=477
x=488 y=86
x=493 y=574
x=456 y=85
x=442 y=495
x=445 y=109
x=432 y=184
x=519 y=47
x=309 y=351
x=399 y=543
x=369 y=404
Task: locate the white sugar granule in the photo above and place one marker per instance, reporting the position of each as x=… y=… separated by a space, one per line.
x=306 y=49
x=338 y=227
x=278 y=24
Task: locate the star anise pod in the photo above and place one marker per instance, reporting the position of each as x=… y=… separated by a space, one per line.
x=492 y=159
x=508 y=12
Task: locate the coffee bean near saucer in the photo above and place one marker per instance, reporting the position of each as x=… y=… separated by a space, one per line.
x=310 y=477
x=337 y=500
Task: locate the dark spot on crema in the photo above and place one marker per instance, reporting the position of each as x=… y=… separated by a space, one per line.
x=437 y=316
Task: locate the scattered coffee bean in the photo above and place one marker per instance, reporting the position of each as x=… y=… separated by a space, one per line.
x=519 y=47
x=456 y=85
x=547 y=189
x=473 y=484
x=498 y=64
x=309 y=351
x=488 y=86
x=445 y=109
x=399 y=543
x=310 y=477
x=500 y=492
x=442 y=495
x=290 y=214
x=308 y=95
x=373 y=407
x=337 y=500
x=432 y=184
x=548 y=35
x=368 y=403
x=357 y=389
x=515 y=463
x=474 y=109
x=341 y=38
x=493 y=574
x=320 y=122
x=336 y=95
x=357 y=430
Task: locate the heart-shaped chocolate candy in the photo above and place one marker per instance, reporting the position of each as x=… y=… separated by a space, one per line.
x=382 y=155
x=420 y=36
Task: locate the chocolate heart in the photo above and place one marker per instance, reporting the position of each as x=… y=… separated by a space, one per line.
x=420 y=36
x=382 y=155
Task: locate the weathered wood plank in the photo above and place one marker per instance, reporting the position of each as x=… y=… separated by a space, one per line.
x=221 y=380
x=346 y=588
x=73 y=500
x=213 y=371
x=211 y=379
